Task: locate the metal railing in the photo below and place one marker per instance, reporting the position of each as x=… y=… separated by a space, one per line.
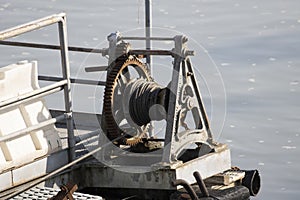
x=63 y=84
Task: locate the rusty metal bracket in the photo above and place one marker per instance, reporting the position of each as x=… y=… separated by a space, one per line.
x=66 y=192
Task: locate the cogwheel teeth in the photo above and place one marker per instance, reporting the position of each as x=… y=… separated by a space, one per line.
x=133 y=141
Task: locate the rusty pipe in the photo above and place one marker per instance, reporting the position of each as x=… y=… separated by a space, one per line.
x=187 y=187
x=201 y=184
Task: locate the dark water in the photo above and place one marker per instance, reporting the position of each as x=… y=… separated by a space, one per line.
x=255 y=46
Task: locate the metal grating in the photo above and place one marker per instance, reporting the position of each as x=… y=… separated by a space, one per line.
x=43 y=193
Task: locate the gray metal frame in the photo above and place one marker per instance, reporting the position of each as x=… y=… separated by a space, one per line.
x=183 y=76
x=63 y=84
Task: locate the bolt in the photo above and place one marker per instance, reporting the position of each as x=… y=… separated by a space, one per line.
x=190 y=74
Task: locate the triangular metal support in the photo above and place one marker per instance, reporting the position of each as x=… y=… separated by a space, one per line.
x=184 y=97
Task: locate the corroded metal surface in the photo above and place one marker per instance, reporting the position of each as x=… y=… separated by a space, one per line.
x=66 y=192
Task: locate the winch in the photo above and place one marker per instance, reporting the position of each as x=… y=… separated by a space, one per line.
x=132 y=99
x=154 y=166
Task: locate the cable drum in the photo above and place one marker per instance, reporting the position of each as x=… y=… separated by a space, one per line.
x=131 y=100
x=147 y=102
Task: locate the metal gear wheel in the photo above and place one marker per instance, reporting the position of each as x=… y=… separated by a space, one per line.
x=117 y=126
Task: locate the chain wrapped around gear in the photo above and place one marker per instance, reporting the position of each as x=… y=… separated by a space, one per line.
x=118 y=71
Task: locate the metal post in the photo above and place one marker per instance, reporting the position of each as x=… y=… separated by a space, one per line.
x=62 y=28
x=148 y=31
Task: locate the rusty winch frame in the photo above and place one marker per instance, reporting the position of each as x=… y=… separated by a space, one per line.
x=134 y=160
x=132 y=99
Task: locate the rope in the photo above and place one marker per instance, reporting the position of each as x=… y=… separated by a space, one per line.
x=144 y=95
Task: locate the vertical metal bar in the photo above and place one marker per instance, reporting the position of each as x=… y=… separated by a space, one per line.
x=62 y=28
x=148 y=31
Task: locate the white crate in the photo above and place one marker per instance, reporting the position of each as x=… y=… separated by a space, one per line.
x=18 y=79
